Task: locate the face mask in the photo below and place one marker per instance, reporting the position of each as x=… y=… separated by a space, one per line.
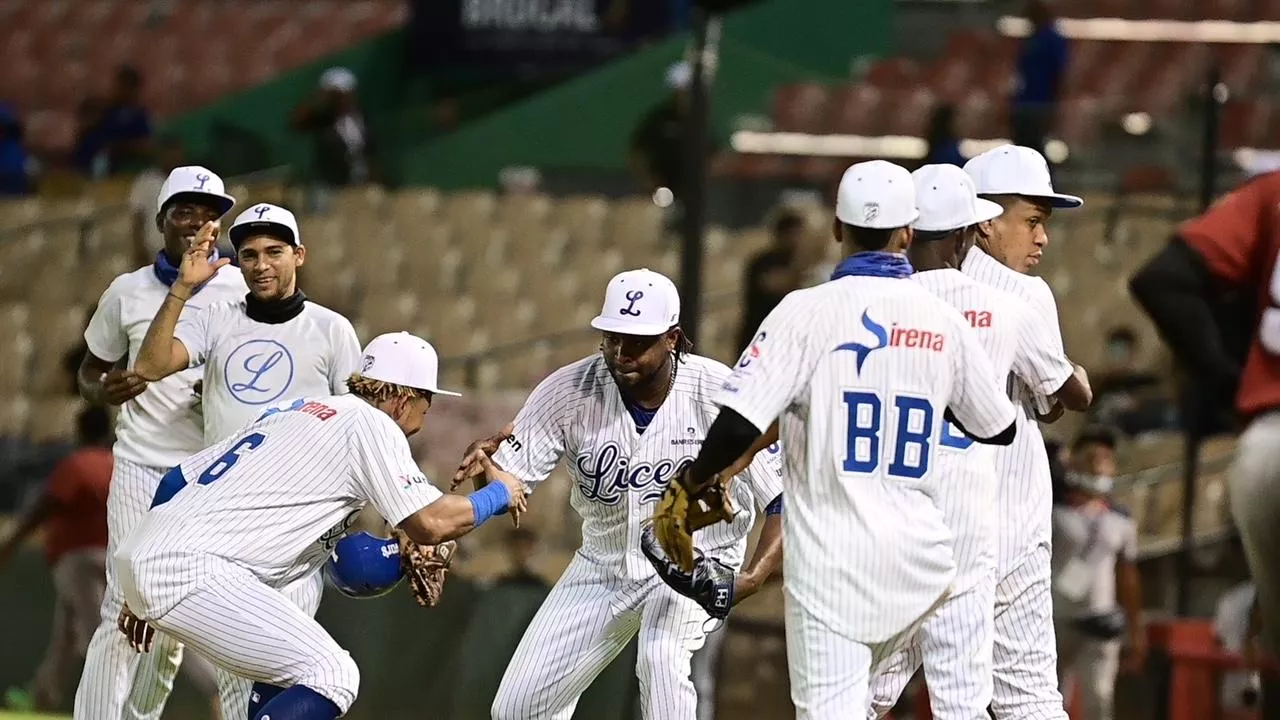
x=1100 y=484
x=1119 y=350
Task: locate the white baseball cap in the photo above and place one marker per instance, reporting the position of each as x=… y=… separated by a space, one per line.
x=876 y=194
x=639 y=302
x=1016 y=170
x=948 y=200
x=265 y=219
x=195 y=180
x=403 y=359
x=338 y=78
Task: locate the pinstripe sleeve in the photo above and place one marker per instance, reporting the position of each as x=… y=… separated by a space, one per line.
x=1040 y=361
x=977 y=399
x=538 y=440
x=385 y=470
x=776 y=367
x=764 y=475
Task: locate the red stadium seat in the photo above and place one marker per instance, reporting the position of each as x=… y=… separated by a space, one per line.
x=1244 y=123
x=51 y=130
x=1078 y=121
x=855 y=110
x=800 y=107
x=1240 y=66
x=910 y=112
x=894 y=74
x=976 y=116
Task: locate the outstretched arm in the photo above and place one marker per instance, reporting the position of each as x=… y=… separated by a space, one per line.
x=162 y=354
x=767 y=558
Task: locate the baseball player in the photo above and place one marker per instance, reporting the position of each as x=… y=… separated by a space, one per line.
x=159 y=425
x=1024 y=655
x=271 y=345
x=860 y=374
x=1097 y=592
x=1233 y=249
x=625 y=420
x=955 y=645
x=236 y=523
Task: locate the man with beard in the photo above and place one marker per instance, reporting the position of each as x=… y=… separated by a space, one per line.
x=266 y=348
x=626 y=420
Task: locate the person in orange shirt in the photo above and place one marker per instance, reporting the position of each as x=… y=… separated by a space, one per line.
x=72 y=510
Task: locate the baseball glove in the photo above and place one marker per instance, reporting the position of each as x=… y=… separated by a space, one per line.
x=710 y=584
x=685 y=509
x=426 y=567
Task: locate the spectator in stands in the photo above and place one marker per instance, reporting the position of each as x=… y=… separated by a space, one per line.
x=72 y=509
x=657 y=143
x=522 y=545
x=944 y=143
x=1042 y=65
x=342 y=152
x=16 y=168
x=169 y=153
x=1237 y=624
x=1097 y=592
x=126 y=124
x=89 y=155
x=1127 y=396
x=771 y=274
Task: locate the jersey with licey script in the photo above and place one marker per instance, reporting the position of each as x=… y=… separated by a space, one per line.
x=1025 y=499
x=860 y=371
x=162 y=426
x=260 y=498
x=1016 y=343
x=250 y=365
x=577 y=413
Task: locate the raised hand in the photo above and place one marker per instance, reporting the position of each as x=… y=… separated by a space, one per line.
x=519 y=502
x=470 y=467
x=196 y=267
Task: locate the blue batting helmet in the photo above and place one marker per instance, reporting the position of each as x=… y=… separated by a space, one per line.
x=364 y=566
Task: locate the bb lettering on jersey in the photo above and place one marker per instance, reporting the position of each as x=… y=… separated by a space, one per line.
x=604 y=475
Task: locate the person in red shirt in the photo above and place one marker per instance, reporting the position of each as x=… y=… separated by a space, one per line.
x=72 y=510
x=1232 y=253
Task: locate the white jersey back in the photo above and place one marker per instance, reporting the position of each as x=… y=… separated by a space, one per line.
x=860 y=372
x=1040 y=369
x=261 y=497
x=250 y=365
x=965 y=478
x=577 y=413
x=160 y=427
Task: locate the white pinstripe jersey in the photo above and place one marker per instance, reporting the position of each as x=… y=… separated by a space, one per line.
x=160 y=427
x=261 y=497
x=577 y=413
x=860 y=371
x=1026 y=491
x=250 y=365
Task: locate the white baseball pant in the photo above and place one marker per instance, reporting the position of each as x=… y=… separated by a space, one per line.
x=955 y=647
x=255 y=632
x=587 y=619
x=1254 y=482
x=118 y=683
x=1093 y=665
x=1025 y=653
x=830 y=673
x=233 y=690
x=706 y=670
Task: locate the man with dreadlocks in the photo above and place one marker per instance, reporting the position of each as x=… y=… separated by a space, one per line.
x=236 y=523
x=626 y=420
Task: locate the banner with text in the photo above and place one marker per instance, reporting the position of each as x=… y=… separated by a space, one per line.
x=535 y=35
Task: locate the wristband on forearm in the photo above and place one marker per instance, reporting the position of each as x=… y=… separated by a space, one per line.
x=494 y=499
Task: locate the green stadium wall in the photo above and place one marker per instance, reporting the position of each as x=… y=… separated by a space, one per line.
x=585 y=122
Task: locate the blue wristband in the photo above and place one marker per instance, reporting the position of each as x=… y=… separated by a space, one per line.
x=493 y=500
x=775 y=507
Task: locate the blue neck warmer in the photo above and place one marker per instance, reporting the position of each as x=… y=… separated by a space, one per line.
x=167 y=273
x=874 y=264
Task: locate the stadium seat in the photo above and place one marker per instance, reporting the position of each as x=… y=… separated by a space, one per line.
x=800 y=107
